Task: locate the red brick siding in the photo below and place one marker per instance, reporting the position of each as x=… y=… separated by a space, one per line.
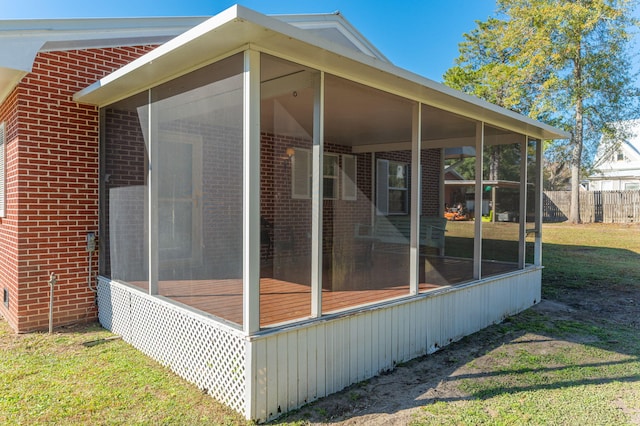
x=124 y=163
x=220 y=204
x=285 y=214
x=431 y=168
x=430 y=162
x=54 y=175
x=9 y=224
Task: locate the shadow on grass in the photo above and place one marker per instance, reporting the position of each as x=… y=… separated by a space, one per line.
x=476 y=369
x=590 y=310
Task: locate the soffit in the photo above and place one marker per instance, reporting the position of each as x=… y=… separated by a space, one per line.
x=237 y=28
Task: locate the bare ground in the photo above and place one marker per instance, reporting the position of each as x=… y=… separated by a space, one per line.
x=395 y=398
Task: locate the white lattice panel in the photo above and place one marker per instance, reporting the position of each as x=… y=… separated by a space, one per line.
x=194 y=347
x=113 y=309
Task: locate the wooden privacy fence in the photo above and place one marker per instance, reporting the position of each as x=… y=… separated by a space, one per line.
x=595 y=206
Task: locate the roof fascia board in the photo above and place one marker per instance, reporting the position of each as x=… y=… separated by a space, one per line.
x=23 y=39
x=127 y=90
x=142 y=67
x=280 y=39
x=371 y=72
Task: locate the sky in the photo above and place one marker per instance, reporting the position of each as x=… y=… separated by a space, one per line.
x=421 y=36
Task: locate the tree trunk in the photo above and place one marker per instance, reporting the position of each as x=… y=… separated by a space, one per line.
x=574 y=212
x=577 y=141
x=494 y=162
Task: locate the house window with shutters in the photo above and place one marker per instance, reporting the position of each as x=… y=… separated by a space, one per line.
x=392 y=188
x=349 y=177
x=330 y=176
x=301 y=175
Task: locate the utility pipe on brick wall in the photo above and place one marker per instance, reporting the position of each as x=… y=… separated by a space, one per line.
x=52 y=283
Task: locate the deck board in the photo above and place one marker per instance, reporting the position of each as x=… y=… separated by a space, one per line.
x=282 y=301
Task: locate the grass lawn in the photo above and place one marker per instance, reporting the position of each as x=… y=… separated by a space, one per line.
x=576 y=365
x=63 y=379
x=574 y=359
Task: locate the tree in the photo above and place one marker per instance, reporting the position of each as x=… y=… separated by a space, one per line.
x=565 y=62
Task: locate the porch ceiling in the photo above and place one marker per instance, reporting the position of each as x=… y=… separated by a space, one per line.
x=237 y=28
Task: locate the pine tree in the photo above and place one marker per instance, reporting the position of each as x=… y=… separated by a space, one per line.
x=564 y=62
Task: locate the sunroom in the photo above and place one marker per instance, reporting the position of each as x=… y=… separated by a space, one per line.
x=272 y=209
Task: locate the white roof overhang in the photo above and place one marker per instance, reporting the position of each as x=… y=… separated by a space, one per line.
x=22 y=40
x=239 y=28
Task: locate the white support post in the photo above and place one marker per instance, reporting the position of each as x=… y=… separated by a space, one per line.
x=416 y=200
x=537 y=254
x=317 y=197
x=250 y=388
x=251 y=193
x=522 y=239
x=152 y=188
x=441 y=191
x=477 y=209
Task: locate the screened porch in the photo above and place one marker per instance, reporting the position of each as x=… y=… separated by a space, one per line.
x=272 y=212
x=176 y=179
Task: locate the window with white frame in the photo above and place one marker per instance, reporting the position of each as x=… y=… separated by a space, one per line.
x=301 y=175
x=2 y=170
x=632 y=186
x=392 y=188
x=349 y=177
x=330 y=169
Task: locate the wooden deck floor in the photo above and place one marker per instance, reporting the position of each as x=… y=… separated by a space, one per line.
x=282 y=301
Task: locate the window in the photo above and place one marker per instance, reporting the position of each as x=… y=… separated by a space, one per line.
x=632 y=186
x=392 y=192
x=330 y=175
x=349 y=177
x=2 y=170
x=301 y=175
x=620 y=156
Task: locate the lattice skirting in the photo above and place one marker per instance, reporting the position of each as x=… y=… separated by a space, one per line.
x=268 y=374
x=196 y=348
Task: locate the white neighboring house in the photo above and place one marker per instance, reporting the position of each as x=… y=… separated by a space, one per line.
x=618 y=167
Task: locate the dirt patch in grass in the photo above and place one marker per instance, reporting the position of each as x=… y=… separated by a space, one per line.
x=397 y=398
x=578 y=346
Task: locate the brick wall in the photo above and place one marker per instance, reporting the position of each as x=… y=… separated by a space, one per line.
x=430 y=162
x=124 y=181
x=290 y=219
x=53 y=183
x=218 y=187
x=9 y=224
